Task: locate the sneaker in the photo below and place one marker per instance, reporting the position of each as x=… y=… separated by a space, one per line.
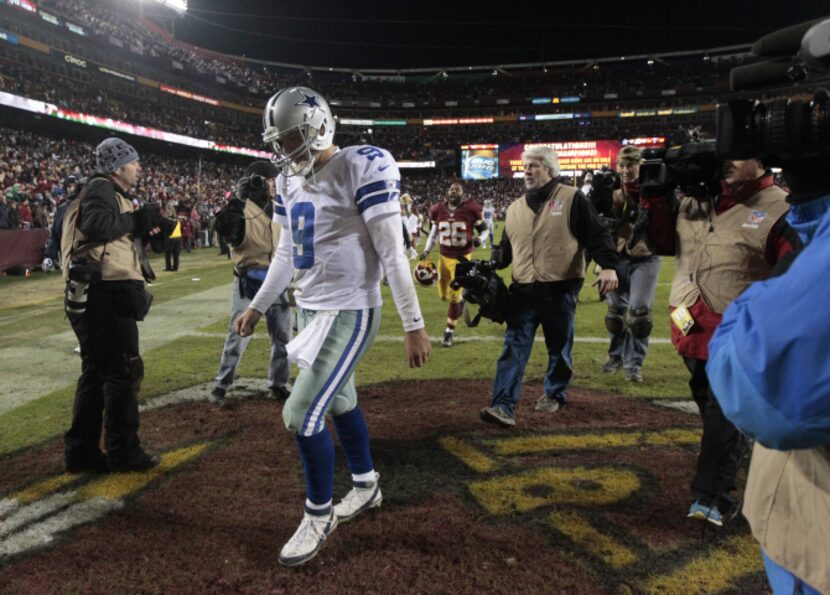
x=280 y=393
x=217 y=396
x=704 y=512
x=138 y=461
x=612 y=366
x=362 y=497
x=307 y=539
x=447 y=340
x=548 y=404
x=634 y=374
x=497 y=415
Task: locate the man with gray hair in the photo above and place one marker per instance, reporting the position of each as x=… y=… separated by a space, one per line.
x=546 y=235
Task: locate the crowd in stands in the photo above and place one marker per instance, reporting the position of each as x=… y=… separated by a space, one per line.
x=408 y=143
x=108 y=21
x=186 y=118
x=33 y=168
x=694 y=75
x=34 y=77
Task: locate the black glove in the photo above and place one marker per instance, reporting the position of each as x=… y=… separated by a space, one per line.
x=230 y=222
x=145 y=218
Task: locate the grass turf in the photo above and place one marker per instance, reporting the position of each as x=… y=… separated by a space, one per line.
x=32 y=311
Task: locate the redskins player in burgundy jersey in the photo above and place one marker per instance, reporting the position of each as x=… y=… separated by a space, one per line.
x=458 y=226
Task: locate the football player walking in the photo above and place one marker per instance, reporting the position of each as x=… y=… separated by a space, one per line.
x=340 y=212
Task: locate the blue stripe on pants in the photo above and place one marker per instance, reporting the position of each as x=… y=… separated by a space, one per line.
x=315 y=417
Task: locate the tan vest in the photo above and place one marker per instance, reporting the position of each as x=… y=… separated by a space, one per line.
x=624 y=229
x=787 y=504
x=544 y=249
x=261 y=238
x=118 y=258
x=720 y=256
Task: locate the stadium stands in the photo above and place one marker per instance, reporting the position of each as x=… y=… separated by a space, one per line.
x=110 y=60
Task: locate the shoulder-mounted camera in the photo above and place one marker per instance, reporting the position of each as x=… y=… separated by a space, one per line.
x=483 y=286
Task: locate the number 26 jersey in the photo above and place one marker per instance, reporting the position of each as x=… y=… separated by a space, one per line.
x=456 y=228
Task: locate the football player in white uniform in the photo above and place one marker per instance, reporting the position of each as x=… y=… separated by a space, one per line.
x=489 y=213
x=340 y=211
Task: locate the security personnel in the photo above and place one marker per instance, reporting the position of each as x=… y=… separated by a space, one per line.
x=547 y=232
x=246 y=223
x=723 y=244
x=173 y=248
x=629 y=318
x=103 y=262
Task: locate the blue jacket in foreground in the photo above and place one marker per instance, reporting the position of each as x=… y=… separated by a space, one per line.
x=769 y=360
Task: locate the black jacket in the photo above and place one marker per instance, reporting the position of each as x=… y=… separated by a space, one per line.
x=100 y=219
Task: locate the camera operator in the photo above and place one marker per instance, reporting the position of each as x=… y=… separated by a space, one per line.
x=51 y=253
x=722 y=244
x=247 y=225
x=104 y=264
x=769 y=370
x=546 y=234
x=629 y=319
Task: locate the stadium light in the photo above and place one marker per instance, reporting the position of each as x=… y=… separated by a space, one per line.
x=179 y=6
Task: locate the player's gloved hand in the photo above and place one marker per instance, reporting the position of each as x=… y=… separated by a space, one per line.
x=46 y=265
x=476 y=242
x=412 y=253
x=424 y=255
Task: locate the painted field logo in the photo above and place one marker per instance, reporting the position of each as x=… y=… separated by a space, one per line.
x=34 y=517
x=596 y=494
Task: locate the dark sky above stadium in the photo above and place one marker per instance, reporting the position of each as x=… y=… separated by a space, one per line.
x=388 y=34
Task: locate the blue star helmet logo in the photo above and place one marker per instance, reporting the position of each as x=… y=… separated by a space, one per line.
x=309 y=100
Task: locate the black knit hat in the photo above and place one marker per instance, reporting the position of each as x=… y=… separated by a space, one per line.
x=263 y=168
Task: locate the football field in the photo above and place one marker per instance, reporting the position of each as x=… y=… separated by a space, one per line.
x=592 y=499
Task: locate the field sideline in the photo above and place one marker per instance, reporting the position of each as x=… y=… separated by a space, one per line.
x=592 y=499
x=182 y=338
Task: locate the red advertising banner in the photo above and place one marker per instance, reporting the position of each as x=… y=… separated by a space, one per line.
x=573 y=156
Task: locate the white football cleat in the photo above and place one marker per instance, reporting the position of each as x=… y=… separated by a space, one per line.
x=361 y=498
x=307 y=539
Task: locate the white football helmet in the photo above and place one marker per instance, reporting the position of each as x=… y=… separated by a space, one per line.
x=301 y=110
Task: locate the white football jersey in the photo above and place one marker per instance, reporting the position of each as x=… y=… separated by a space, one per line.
x=488 y=212
x=335 y=264
x=413 y=225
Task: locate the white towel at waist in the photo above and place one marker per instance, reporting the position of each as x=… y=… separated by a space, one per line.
x=303 y=349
